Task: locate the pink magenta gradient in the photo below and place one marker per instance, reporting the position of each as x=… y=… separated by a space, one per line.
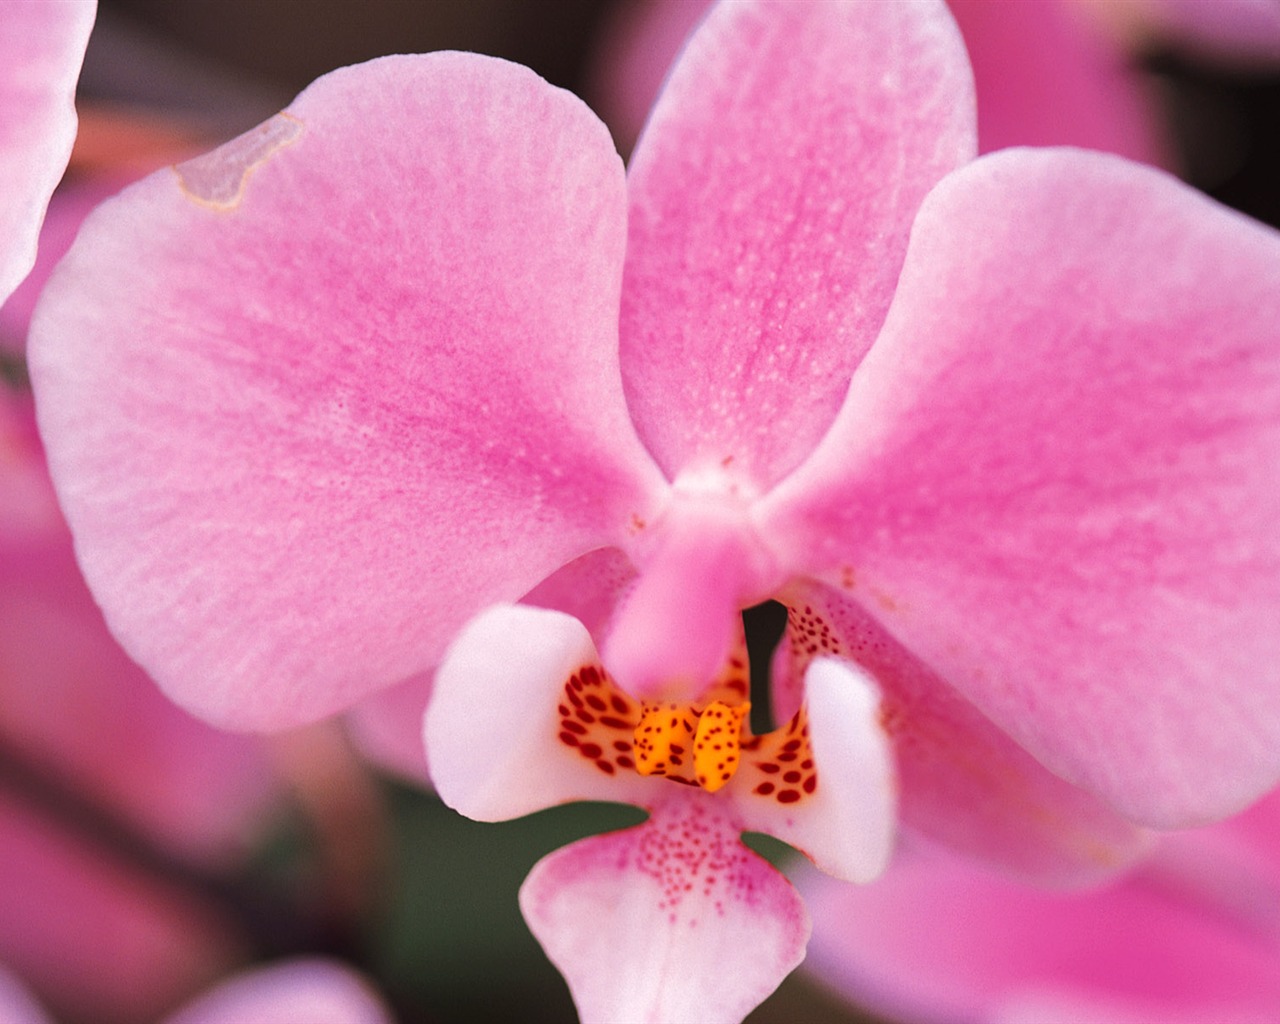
x=41 y=49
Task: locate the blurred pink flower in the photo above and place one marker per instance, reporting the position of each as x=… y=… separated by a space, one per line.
x=1190 y=935
x=1001 y=434
x=92 y=931
x=290 y=992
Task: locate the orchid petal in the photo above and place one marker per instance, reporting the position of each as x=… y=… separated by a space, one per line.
x=310 y=991
x=846 y=825
x=1054 y=480
x=496 y=729
x=304 y=430
x=647 y=924
x=41 y=48
x=770 y=205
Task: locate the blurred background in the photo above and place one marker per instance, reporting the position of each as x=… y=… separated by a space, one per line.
x=339 y=858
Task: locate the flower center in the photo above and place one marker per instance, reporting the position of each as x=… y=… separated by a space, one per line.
x=685 y=743
x=705 y=744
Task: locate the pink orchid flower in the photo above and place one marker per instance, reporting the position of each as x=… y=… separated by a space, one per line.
x=41 y=48
x=1002 y=434
x=1191 y=935
x=291 y=992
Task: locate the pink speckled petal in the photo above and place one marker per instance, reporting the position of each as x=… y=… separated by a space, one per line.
x=294 y=992
x=313 y=400
x=847 y=825
x=1045 y=78
x=1188 y=936
x=770 y=204
x=494 y=727
x=41 y=48
x=1055 y=480
x=961 y=780
x=671 y=922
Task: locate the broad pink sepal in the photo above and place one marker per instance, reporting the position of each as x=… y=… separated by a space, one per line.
x=1045 y=480
x=317 y=380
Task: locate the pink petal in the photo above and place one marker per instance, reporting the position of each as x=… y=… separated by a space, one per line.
x=940 y=940
x=1053 y=481
x=314 y=399
x=961 y=780
x=846 y=826
x=671 y=921
x=1044 y=79
x=294 y=992
x=770 y=204
x=494 y=724
x=41 y=48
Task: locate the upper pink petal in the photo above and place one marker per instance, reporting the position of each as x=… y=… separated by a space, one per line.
x=294 y=992
x=314 y=399
x=41 y=49
x=1055 y=478
x=770 y=204
x=671 y=922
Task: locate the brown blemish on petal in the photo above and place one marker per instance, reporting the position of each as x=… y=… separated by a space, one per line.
x=218 y=179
